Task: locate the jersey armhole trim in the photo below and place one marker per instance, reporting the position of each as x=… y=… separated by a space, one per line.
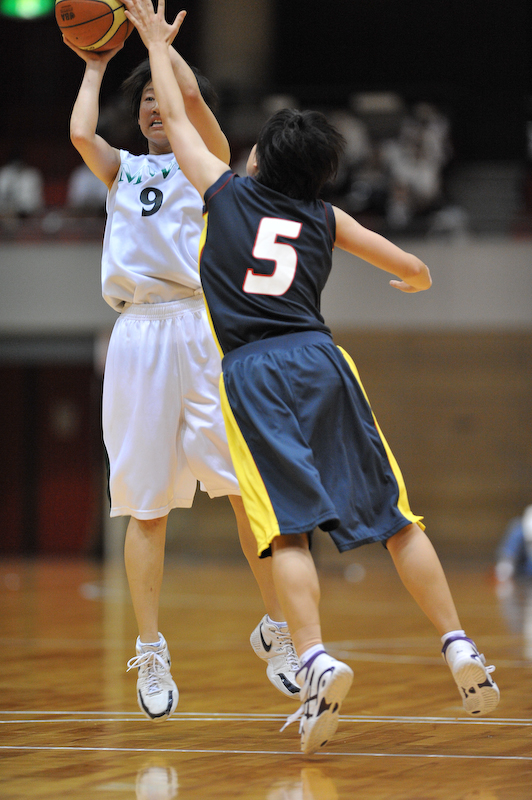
x=327 y=220
x=219 y=189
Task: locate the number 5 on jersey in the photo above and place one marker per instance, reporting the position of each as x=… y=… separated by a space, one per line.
x=285 y=257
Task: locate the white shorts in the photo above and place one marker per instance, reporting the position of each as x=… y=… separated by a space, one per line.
x=162 y=422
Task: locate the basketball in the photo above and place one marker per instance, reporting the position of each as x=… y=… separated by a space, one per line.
x=93 y=24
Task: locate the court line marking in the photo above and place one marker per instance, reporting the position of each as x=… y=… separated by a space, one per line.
x=205 y=716
x=205 y=751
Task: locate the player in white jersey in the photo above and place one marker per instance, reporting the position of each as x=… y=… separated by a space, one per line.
x=162 y=422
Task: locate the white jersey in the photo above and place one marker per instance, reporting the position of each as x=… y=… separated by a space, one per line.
x=151 y=242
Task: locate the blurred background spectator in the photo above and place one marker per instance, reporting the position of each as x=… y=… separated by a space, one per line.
x=86 y=194
x=514 y=554
x=21 y=189
x=415 y=161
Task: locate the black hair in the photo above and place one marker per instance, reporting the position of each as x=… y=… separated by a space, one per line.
x=133 y=86
x=298 y=152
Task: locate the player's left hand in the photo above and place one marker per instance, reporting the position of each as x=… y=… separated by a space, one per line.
x=405 y=287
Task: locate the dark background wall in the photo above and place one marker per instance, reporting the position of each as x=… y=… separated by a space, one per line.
x=41 y=76
x=472 y=57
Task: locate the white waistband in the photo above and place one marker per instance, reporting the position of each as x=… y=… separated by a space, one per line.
x=163 y=310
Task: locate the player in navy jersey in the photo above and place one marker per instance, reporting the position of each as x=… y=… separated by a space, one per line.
x=306 y=447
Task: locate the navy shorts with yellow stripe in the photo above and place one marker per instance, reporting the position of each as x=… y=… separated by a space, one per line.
x=306 y=447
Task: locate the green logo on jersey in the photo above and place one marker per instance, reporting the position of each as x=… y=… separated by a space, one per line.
x=136 y=177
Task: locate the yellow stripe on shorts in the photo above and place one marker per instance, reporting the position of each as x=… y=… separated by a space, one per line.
x=203 y=238
x=256 y=500
x=402 y=503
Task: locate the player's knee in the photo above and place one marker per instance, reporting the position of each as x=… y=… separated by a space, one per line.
x=298 y=541
x=403 y=537
x=150 y=527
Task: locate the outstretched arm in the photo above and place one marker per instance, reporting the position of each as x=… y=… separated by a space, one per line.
x=199 y=165
x=102 y=159
x=374 y=248
x=197 y=109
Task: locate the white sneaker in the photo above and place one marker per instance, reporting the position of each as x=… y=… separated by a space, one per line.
x=324 y=684
x=157 y=693
x=275 y=646
x=480 y=694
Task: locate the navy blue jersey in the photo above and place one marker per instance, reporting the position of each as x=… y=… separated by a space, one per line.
x=264 y=260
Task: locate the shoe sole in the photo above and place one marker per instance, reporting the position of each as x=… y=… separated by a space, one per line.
x=325 y=726
x=480 y=694
x=273 y=677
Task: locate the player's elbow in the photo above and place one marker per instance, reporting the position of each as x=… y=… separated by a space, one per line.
x=420 y=276
x=78 y=136
x=192 y=97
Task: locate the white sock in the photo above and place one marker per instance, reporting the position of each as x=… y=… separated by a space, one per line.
x=151 y=644
x=274 y=622
x=450 y=634
x=317 y=648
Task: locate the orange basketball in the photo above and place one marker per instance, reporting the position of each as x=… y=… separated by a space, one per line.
x=93 y=24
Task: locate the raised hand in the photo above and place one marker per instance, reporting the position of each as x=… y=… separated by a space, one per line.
x=96 y=56
x=152 y=25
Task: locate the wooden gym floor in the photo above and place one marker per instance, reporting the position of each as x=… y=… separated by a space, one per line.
x=70 y=725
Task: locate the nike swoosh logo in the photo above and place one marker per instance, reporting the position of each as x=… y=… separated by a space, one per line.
x=290 y=686
x=267 y=647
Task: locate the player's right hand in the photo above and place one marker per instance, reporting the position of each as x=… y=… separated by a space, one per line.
x=100 y=56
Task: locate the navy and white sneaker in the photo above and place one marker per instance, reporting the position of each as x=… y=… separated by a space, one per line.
x=274 y=645
x=157 y=693
x=324 y=684
x=479 y=692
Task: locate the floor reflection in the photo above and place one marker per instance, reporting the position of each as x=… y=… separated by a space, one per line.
x=314 y=785
x=156 y=782
x=515 y=599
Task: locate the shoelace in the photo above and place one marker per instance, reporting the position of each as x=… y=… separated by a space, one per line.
x=491 y=667
x=298 y=715
x=156 y=667
x=288 y=647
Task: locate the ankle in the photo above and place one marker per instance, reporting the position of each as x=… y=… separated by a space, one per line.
x=458 y=634
x=310 y=653
x=277 y=623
